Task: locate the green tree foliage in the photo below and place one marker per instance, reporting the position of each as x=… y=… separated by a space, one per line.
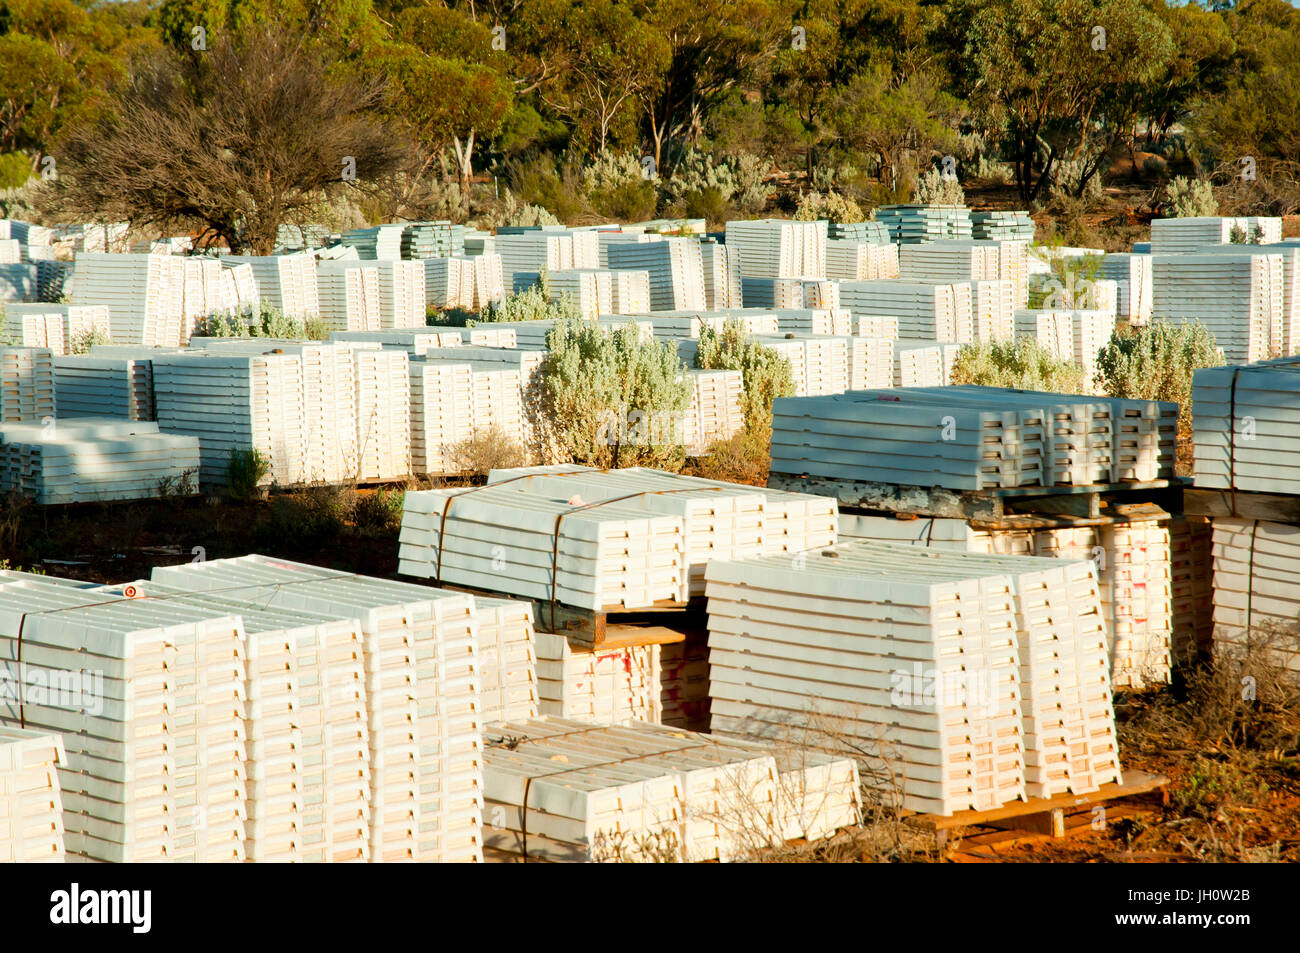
x=1041 y=69
x=1021 y=363
x=612 y=398
x=766 y=375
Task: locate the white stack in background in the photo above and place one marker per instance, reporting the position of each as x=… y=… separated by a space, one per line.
x=870 y=362
x=777 y=248
x=58 y=327
x=848 y=260
x=605 y=238
x=153 y=724
x=442 y=414
x=508 y=657
x=1244 y=426
x=31 y=807
x=875 y=326
x=911 y=224
x=936 y=312
x=821 y=293
x=606 y=687
x=349 y=294
x=1075 y=336
x=675 y=268
x=590 y=292
x=235 y=402
x=967 y=438
x=1256 y=591
x=401 y=294
x=422 y=688
x=630 y=291
x=469 y=284
x=93 y=459
x=773 y=292
x=949 y=261
x=992 y=309
x=813 y=320
x=721 y=277
x=287 y=282
x=918 y=364
x=1100 y=294
x=715 y=414
x=534 y=252
x=1132 y=277
x=561 y=790
x=1181 y=236
x=383 y=402
x=1239 y=299
x=27 y=381
x=1290 y=285
x=144 y=294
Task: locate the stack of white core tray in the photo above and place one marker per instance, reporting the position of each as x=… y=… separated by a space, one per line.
x=1244 y=426
x=31 y=807
x=675 y=268
x=1257 y=591
x=777 y=248
x=422 y=692
x=1240 y=299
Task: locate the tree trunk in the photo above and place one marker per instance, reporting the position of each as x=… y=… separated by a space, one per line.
x=464 y=160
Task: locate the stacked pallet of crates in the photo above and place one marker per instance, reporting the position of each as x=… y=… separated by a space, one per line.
x=1239 y=299
x=848 y=260
x=58 y=327
x=31 y=806
x=1002 y=226
x=144 y=295
x=422 y=689
x=401 y=294
x=566 y=791
x=1255 y=592
x=913 y=224
x=674 y=266
x=379 y=242
x=933 y=312
x=804 y=652
x=94 y=459
x=775 y=248
x=508 y=658
x=1191 y=575
x=870 y=362
x=430 y=240
x=588 y=291
x=27 y=383
x=1290 y=254
x=442 y=414
x=308 y=745
x=90 y=385
x=1132 y=277
x=349 y=295
x=715 y=413
x=156 y=751
x=721 y=277
x=383 y=415
x=235 y=403
x=599 y=686
x=993 y=309
x=287 y=282
x=630 y=291
x=1177 y=236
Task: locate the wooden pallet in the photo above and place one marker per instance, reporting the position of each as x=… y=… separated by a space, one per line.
x=1118 y=514
x=1242 y=504
x=989 y=505
x=1044 y=818
x=612 y=628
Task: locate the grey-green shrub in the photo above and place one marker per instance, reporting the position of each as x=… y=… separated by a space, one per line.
x=1020 y=363
x=766 y=374
x=612 y=399
x=1188 y=198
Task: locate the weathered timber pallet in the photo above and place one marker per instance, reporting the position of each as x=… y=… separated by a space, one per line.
x=1241 y=504
x=990 y=504
x=611 y=628
x=1117 y=514
x=1043 y=818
